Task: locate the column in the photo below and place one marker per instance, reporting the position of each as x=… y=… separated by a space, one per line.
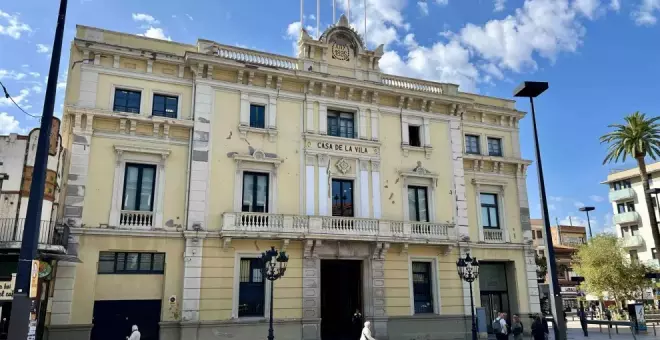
x=375 y=188
x=405 y=137
x=461 y=216
x=427 y=132
x=310 y=116
x=310 y=187
x=199 y=176
x=311 y=320
x=245 y=109
x=525 y=226
x=77 y=180
x=160 y=195
x=65 y=278
x=192 y=281
x=532 y=283
x=323 y=184
x=379 y=315
x=272 y=112
x=323 y=119
x=363 y=123
x=364 y=188
x=374 y=125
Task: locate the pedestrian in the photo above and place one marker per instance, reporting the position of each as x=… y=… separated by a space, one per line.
x=135 y=334
x=546 y=330
x=538 y=331
x=357 y=322
x=500 y=327
x=608 y=316
x=517 y=328
x=583 y=321
x=366 y=332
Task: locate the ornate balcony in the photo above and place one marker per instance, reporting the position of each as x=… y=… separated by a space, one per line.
x=136 y=219
x=635 y=241
x=53 y=237
x=624 y=194
x=243 y=224
x=493 y=236
x=626 y=218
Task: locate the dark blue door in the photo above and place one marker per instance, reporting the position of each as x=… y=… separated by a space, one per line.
x=113 y=319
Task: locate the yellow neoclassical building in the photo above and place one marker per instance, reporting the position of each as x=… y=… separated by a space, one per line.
x=188 y=161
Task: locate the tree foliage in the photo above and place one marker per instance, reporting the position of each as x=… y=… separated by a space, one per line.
x=606 y=269
x=640 y=136
x=541 y=266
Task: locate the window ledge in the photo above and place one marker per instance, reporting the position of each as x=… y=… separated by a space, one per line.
x=271 y=132
x=426 y=149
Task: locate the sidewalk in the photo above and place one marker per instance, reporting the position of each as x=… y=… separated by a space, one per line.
x=574 y=331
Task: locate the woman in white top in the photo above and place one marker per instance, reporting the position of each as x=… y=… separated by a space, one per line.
x=366 y=332
x=135 y=334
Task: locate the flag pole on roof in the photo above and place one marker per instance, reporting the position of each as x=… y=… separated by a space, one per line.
x=348 y=13
x=365 y=23
x=302 y=15
x=333 y=12
x=318 y=18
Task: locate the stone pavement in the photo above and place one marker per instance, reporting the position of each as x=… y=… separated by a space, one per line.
x=575 y=332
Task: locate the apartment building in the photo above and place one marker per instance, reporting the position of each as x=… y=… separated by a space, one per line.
x=189 y=161
x=631 y=213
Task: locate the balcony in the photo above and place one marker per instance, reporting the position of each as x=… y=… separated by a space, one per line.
x=626 y=218
x=136 y=219
x=624 y=194
x=635 y=241
x=493 y=236
x=53 y=237
x=244 y=224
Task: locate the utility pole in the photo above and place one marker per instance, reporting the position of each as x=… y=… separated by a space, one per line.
x=23 y=305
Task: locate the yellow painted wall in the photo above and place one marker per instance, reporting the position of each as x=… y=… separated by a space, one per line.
x=506 y=136
x=218 y=278
x=87 y=281
x=135 y=41
x=515 y=255
x=98 y=195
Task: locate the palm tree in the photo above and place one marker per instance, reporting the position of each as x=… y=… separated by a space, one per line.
x=639 y=138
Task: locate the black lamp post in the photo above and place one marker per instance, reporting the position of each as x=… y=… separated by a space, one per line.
x=468 y=270
x=532 y=89
x=274 y=266
x=587 y=210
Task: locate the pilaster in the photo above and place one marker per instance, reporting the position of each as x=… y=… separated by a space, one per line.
x=311 y=323
x=374 y=125
x=65 y=278
x=199 y=177
x=323 y=119
x=364 y=188
x=459 y=180
x=192 y=276
x=78 y=168
x=324 y=163
x=379 y=316
x=375 y=188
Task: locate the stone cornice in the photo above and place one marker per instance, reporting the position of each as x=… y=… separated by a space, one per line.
x=508 y=160
x=74 y=110
x=142 y=54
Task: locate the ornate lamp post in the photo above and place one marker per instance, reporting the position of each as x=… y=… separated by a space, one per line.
x=274 y=266
x=468 y=270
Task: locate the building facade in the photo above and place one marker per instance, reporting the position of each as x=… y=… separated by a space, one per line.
x=631 y=213
x=188 y=161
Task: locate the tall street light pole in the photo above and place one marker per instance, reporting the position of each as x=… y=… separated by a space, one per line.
x=22 y=305
x=532 y=89
x=587 y=210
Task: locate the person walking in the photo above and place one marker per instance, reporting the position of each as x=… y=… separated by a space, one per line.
x=500 y=327
x=538 y=331
x=357 y=321
x=366 y=332
x=135 y=334
x=517 y=328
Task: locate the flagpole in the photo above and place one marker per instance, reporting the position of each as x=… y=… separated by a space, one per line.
x=302 y=24
x=365 y=23
x=348 y=14
x=318 y=18
x=334 y=19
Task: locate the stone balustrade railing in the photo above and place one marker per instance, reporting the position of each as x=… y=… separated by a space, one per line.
x=411 y=84
x=243 y=223
x=136 y=219
x=253 y=57
x=494 y=236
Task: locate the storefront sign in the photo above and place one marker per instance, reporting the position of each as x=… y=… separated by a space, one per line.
x=339 y=147
x=34 y=279
x=7 y=289
x=569 y=289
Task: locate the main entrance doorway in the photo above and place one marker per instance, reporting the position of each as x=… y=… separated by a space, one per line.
x=114 y=319
x=494 y=290
x=341 y=296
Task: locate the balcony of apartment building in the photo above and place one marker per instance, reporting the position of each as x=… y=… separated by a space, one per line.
x=630 y=237
x=627 y=217
x=53 y=237
x=621 y=191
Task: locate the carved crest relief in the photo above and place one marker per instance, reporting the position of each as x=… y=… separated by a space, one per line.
x=343 y=166
x=340 y=52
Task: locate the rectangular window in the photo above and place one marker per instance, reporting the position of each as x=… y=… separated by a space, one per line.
x=165 y=106
x=257 y=116
x=422 y=287
x=634 y=230
x=494 y=146
x=252 y=288
x=418 y=204
x=621 y=208
x=255 y=192
x=472 y=144
x=621 y=184
x=624 y=232
x=127 y=101
x=653 y=254
x=630 y=206
x=414 y=135
x=342 y=197
x=131 y=263
x=341 y=124
x=489 y=211
x=633 y=256
x=533 y=236
x=139 y=185
x=539 y=234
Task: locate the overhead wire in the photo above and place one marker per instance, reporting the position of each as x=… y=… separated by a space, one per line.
x=4 y=89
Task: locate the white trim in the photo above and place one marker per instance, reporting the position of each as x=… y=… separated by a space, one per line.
x=126 y=137
x=114 y=87
x=236 y=286
x=501 y=210
x=178 y=95
x=244 y=166
x=501 y=138
x=435 y=282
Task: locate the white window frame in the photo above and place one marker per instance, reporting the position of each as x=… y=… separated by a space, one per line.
x=115 y=87
x=480 y=142
x=497 y=188
x=424 y=135
x=238 y=256
x=178 y=95
x=427 y=180
x=435 y=284
x=357 y=133
x=141 y=155
x=501 y=139
x=270 y=114
x=257 y=162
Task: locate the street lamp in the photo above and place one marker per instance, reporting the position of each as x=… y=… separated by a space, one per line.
x=468 y=270
x=274 y=266
x=587 y=210
x=532 y=89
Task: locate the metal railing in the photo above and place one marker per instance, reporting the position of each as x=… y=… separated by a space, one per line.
x=51 y=233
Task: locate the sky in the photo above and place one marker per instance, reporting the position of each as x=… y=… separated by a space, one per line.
x=599 y=56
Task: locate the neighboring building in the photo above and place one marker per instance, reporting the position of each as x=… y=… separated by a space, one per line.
x=17 y=156
x=188 y=161
x=630 y=211
x=571 y=237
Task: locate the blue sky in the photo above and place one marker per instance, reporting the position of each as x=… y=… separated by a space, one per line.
x=600 y=57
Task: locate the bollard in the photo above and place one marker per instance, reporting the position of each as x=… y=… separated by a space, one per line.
x=600 y=328
x=609 y=331
x=653 y=323
x=617 y=328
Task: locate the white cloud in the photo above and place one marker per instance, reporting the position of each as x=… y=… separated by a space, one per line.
x=587 y=7
x=608 y=225
x=293 y=33
x=442 y=2
x=13 y=75
x=423 y=7
x=61 y=84
x=19 y=99
x=189 y=17
x=615 y=5
x=385 y=17
x=13 y=28
x=500 y=5
x=578 y=204
x=555 y=198
x=145 y=18
x=35 y=74
x=156 y=33
x=37 y=89
x=41 y=48
x=8 y=124
x=552 y=207
x=597 y=198
x=644 y=15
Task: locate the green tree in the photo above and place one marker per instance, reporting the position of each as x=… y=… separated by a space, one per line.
x=638 y=138
x=606 y=268
x=541 y=266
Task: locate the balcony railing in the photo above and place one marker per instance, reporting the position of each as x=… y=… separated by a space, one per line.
x=244 y=223
x=493 y=236
x=632 y=241
x=50 y=233
x=136 y=219
x=624 y=194
x=626 y=218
